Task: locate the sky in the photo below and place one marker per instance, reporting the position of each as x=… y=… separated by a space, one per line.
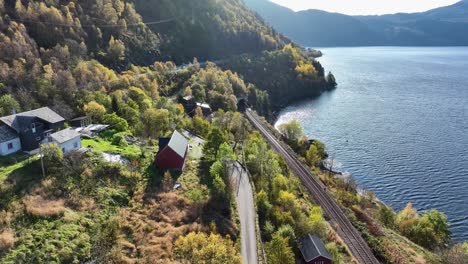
x=366 y=7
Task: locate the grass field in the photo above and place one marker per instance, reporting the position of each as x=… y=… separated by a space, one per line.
x=14 y=163
x=103 y=145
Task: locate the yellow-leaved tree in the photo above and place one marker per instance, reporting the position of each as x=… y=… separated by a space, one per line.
x=206 y=249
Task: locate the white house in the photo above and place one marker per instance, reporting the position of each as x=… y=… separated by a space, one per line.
x=67 y=139
x=9 y=141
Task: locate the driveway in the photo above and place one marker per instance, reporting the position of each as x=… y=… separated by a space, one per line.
x=245 y=207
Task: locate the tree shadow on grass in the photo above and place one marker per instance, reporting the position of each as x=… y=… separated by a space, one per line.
x=217 y=210
x=19 y=182
x=154 y=179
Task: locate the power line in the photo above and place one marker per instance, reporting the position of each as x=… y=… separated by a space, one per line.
x=97 y=25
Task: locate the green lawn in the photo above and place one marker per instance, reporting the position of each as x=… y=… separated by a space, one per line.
x=103 y=145
x=16 y=162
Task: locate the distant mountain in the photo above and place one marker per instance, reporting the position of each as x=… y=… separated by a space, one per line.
x=445 y=26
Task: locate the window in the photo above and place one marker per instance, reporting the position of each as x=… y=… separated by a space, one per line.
x=63 y=150
x=33 y=127
x=10 y=145
x=75 y=145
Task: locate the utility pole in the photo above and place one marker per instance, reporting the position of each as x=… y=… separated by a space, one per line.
x=42 y=160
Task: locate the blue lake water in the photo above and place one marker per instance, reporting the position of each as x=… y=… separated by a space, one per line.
x=398 y=122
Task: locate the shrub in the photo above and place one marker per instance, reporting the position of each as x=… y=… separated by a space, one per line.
x=53 y=157
x=118 y=123
x=7 y=240
x=373 y=227
x=279 y=251
x=201 y=248
x=386 y=216
x=39 y=207
x=119 y=140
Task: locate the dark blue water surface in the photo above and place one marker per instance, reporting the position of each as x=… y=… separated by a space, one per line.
x=398 y=122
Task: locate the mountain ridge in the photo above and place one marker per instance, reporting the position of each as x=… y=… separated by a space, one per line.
x=444 y=26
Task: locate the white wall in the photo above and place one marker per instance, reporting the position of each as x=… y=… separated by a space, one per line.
x=70 y=145
x=4 y=151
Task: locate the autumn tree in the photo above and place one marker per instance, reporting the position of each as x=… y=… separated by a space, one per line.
x=116 y=122
x=386 y=216
x=291 y=130
x=201 y=126
x=8 y=105
x=316 y=222
x=52 y=156
x=430 y=230
x=306 y=71
x=218 y=174
x=116 y=49
x=94 y=110
x=206 y=249
x=198 y=112
x=439 y=224
x=214 y=140
x=238 y=127
x=312 y=156
x=263 y=207
x=279 y=251
x=156 y=121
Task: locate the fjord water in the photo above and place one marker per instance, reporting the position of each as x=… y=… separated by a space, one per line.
x=398 y=122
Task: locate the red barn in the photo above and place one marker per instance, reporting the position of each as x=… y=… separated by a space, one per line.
x=172 y=152
x=314 y=251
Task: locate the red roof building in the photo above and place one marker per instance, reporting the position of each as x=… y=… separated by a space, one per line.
x=314 y=251
x=172 y=152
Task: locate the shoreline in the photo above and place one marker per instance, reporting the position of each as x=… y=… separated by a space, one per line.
x=344 y=174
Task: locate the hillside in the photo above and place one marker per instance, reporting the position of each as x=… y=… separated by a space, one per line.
x=139 y=32
x=445 y=26
x=54 y=53
x=208 y=29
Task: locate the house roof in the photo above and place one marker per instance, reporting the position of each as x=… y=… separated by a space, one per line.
x=20 y=120
x=7 y=134
x=311 y=247
x=65 y=135
x=188 y=97
x=81 y=118
x=178 y=143
x=204 y=105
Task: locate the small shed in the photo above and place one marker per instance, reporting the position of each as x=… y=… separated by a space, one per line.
x=67 y=139
x=82 y=121
x=172 y=152
x=314 y=251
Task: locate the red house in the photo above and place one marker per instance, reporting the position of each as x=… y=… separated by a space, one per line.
x=314 y=251
x=172 y=152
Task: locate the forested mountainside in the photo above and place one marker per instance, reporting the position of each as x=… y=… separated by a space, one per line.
x=208 y=29
x=445 y=26
x=297 y=75
x=54 y=53
x=119 y=32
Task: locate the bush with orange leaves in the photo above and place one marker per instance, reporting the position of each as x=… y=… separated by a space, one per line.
x=203 y=248
x=38 y=206
x=7 y=240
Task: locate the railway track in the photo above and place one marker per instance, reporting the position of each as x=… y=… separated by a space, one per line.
x=339 y=221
